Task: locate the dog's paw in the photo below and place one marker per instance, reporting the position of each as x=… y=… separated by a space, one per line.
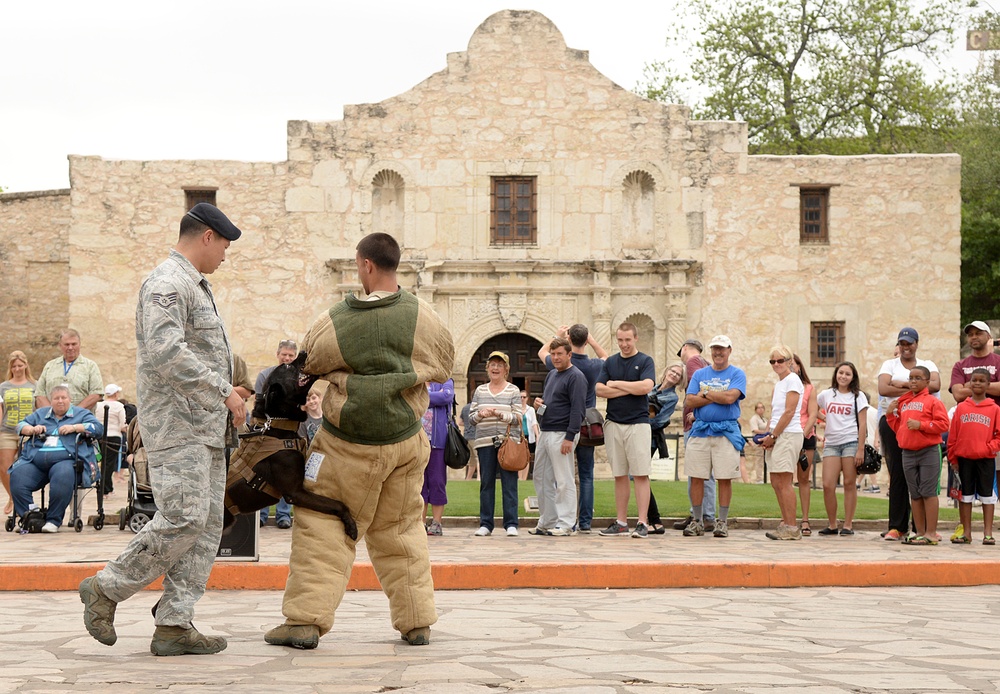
x=351 y=528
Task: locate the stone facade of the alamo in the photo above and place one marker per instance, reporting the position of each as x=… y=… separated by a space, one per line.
x=527 y=191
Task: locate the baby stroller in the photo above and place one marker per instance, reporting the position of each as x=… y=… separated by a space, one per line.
x=33 y=520
x=141 y=505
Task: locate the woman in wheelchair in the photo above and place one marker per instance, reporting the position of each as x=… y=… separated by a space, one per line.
x=49 y=456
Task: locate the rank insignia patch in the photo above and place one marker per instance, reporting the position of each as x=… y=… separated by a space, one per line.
x=165 y=300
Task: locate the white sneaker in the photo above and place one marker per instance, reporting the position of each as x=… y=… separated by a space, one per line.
x=50 y=527
x=483 y=532
x=512 y=531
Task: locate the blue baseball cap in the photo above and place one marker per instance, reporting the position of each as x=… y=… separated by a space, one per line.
x=908 y=335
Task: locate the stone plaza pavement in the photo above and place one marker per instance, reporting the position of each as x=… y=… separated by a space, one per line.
x=817 y=641
x=821 y=637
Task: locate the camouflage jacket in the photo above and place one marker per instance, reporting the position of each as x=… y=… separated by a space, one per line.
x=184 y=364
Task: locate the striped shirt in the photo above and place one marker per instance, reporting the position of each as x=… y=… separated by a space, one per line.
x=507 y=403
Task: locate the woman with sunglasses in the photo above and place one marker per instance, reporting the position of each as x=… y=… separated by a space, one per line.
x=784 y=441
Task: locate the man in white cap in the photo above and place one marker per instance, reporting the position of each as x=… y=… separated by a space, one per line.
x=715 y=443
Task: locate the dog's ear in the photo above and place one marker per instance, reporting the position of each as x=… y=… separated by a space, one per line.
x=300 y=360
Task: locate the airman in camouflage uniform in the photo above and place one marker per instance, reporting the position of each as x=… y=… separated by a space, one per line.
x=184 y=367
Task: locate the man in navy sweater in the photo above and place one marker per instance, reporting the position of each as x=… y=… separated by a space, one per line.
x=560 y=411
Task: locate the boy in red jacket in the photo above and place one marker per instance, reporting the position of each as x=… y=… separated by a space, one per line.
x=919 y=419
x=973 y=442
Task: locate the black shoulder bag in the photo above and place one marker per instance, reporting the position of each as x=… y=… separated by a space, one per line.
x=873 y=459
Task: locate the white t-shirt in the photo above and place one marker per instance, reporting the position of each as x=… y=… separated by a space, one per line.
x=841 y=425
x=898 y=372
x=116 y=416
x=790 y=383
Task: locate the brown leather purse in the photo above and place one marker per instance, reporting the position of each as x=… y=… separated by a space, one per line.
x=513 y=455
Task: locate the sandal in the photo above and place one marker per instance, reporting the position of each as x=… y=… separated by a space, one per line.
x=922 y=540
x=988 y=540
x=828 y=531
x=657 y=529
x=961 y=540
x=805 y=529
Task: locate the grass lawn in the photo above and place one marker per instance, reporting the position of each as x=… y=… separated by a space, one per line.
x=749 y=500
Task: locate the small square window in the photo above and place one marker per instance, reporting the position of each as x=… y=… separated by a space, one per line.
x=513 y=211
x=192 y=196
x=826 y=343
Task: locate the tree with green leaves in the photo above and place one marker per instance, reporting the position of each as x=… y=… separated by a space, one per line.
x=833 y=76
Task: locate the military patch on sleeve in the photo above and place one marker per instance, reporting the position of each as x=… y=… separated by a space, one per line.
x=165 y=300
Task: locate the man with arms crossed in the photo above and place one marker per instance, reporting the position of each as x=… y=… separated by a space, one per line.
x=626 y=379
x=184 y=368
x=716 y=441
x=690 y=354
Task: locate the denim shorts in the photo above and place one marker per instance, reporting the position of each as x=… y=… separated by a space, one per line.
x=844 y=450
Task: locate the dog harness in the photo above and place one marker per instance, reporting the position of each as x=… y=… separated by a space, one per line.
x=257 y=445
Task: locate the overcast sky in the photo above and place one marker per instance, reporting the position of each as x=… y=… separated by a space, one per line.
x=219 y=79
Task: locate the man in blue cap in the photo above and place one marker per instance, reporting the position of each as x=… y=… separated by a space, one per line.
x=184 y=369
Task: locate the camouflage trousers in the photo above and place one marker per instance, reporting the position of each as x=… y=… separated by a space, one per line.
x=381 y=486
x=182 y=539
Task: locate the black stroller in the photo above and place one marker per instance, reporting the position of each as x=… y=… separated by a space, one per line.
x=33 y=520
x=141 y=505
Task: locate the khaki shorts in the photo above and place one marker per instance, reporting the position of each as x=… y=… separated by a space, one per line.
x=628 y=449
x=711 y=455
x=784 y=455
x=8 y=442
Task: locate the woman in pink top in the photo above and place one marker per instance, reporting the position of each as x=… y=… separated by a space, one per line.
x=807 y=413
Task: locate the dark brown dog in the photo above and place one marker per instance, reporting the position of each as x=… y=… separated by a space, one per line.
x=283 y=470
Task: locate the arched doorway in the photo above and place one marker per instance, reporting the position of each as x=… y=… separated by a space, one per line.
x=526 y=371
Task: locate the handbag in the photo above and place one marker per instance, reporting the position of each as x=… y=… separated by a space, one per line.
x=513 y=455
x=873 y=459
x=592 y=429
x=456 y=448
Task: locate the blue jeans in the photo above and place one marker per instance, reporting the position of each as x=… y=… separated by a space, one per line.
x=489 y=468
x=585 y=471
x=27 y=477
x=708 y=501
x=283 y=510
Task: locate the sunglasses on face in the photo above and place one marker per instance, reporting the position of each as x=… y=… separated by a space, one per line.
x=772 y=362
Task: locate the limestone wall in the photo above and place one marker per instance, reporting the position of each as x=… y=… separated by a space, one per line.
x=893 y=260
x=125 y=218
x=517 y=102
x=34 y=255
x=642 y=213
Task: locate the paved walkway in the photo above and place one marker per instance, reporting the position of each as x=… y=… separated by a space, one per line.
x=745 y=559
x=813 y=641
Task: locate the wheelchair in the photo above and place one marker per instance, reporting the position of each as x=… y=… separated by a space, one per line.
x=80 y=489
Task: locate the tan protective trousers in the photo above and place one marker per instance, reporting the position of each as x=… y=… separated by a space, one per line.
x=381 y=486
